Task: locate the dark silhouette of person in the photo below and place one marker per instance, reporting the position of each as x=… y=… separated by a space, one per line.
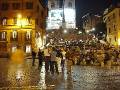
x=40 y=57
x=33 y=57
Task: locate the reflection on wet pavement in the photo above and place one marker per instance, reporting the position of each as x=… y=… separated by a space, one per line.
x=26 y=77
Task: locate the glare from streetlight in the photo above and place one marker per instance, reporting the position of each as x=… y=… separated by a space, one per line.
x=65 y=31
x=87 y=31
x=47 y=35
x=19 y=16
x=93 y=29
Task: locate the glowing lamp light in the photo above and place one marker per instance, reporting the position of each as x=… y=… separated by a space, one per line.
x=19 y=16
x=87 y=31
x=47 y=35
x=65 y=31
x=93 y=29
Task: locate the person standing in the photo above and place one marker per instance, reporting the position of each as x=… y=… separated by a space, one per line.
x=63 y=58
x=54 y=66
x=33 y=57
x=47 y=59
x=40 y=58
x=68 y=61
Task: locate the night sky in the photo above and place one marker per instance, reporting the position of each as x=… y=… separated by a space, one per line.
x=92 y=6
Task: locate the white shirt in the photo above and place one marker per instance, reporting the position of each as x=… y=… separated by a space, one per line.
x=46 y=52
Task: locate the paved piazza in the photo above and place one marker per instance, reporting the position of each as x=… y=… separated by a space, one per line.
x=26 y=77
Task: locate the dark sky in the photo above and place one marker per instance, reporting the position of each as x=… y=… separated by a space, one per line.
x=93 y=6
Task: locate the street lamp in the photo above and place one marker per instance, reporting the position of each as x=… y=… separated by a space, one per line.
x=65 y=31
x=19 y=16
x=93 y=29
x=87 y=31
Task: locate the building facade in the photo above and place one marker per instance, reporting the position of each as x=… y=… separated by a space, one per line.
x=59 y=11
x=112 y=20
x=90 y=21
x=22 y=24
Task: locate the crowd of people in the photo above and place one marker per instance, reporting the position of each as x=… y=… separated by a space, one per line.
x=55 y=57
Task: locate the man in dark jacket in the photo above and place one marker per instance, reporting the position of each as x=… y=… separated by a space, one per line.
x=33 y=57
x=40 y=57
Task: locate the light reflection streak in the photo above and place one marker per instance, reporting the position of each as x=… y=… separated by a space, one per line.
x=19 y=74
x=42 y=83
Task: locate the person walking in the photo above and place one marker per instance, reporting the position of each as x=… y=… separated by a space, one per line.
x=33 y=57
x=40 y=58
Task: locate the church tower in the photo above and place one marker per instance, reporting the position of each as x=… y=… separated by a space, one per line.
x=59 y=10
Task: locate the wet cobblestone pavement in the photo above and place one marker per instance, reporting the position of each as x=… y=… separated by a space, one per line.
x=26 y=77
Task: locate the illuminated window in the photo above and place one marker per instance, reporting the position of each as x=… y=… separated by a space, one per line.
x=28 y=35
x=4 y=21
x=14 y=48
x=3 y=35
x=28 y=48
x=14 y=34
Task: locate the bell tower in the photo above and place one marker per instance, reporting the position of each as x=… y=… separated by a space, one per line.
x=59 y=11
